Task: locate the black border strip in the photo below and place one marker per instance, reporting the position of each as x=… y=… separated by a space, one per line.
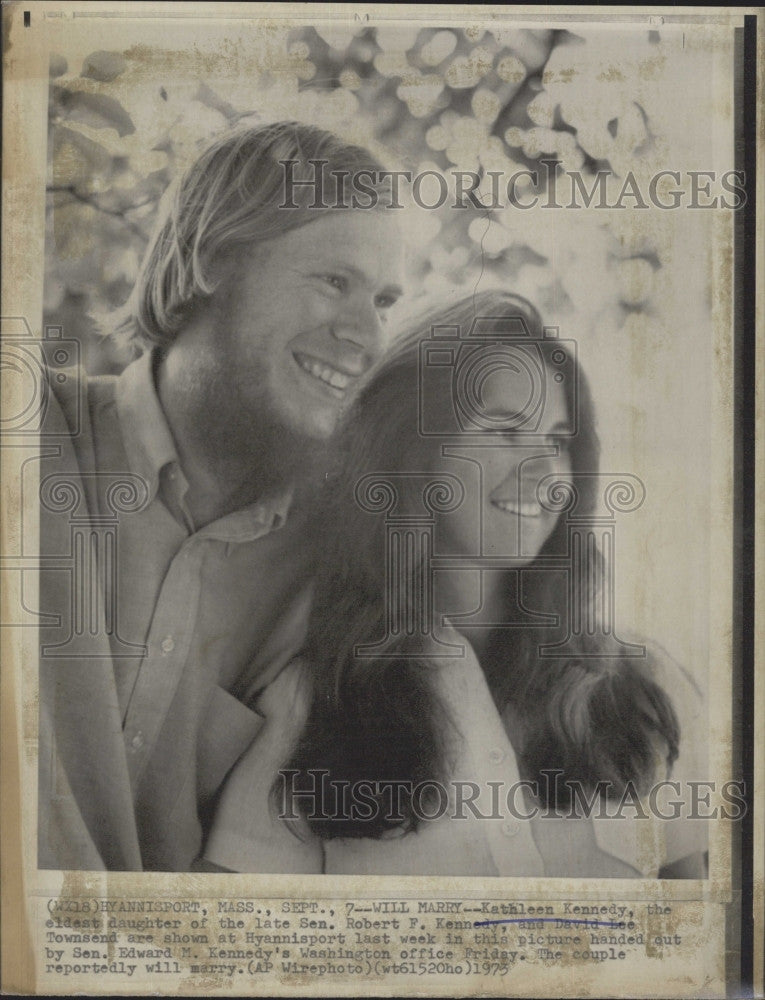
x=745 y=349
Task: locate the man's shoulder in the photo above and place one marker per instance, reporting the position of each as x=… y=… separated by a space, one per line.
x=75 y=396
x=76 y=413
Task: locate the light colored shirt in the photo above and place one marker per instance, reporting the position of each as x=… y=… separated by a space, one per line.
x=248 y=835
x=195 y=620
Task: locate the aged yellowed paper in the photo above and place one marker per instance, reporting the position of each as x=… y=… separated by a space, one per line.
x=378 y=406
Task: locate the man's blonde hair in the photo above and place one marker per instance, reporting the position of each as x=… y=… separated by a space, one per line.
x=232 y=196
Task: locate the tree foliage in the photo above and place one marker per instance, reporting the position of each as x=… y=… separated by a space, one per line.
x=122 y=127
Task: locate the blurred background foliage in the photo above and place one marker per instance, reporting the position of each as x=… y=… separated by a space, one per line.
x=123 y=124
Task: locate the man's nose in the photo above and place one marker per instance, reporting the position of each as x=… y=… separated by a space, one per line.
x=359 y=323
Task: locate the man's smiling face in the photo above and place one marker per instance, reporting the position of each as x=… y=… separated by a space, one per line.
x=300 y=318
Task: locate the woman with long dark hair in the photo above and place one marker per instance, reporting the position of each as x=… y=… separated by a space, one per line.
x=453 y=646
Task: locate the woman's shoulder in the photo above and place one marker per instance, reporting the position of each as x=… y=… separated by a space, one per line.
x=666 y=669
x=660 y=832
x=686 y=692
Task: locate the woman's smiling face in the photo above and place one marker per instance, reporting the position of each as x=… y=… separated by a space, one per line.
x=502 y=515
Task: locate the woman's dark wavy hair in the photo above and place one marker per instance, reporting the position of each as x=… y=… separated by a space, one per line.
x=593 y=718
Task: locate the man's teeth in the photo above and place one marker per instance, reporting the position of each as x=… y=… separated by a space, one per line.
x=324 y=373
x=525 y=509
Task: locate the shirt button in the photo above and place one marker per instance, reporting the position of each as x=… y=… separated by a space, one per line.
x=168 y=644
x=511 y=827
x=137 y=742
x=496 y=755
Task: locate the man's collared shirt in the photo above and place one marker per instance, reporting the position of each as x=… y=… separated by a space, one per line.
x=196 y=618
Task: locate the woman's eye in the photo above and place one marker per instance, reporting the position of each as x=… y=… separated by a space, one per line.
x=386 y=301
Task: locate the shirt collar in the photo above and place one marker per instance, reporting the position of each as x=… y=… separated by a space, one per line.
x=251 y=522
x=148 y=442
x=150 y=449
